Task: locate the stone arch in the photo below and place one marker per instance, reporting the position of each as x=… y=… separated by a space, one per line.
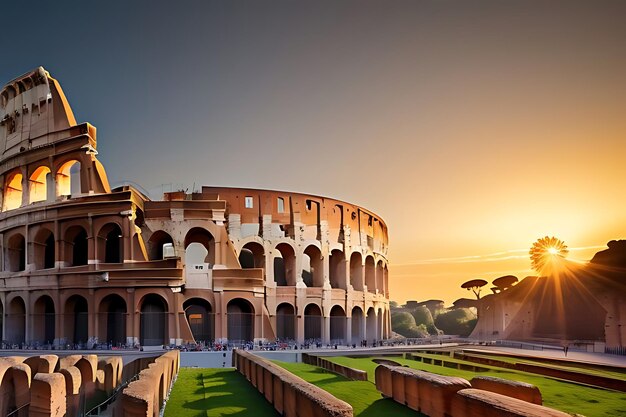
x=284 y=265
x=76 y=319
x=380 y=324
x=112 y=314
x=356 y=271
x=200 y=317
x=370 y=274
x=371 y=324
x=240 y=320
x=252 y=255
x=38 y=184
x=44 y=316
x=13 y=191
x=313 y=323
x=358 y=322
x=337 y=324
x=337 y=269
x=156 y=242
x=312 y=270
x=380 y=279
x=16 y=320
x=386 y=280
x=285 y=322
x=68 y=178
x=44 y=249
x=153 y=323
x=76 y=246
x=15 y=253
x=110 y=244
x=196 y=237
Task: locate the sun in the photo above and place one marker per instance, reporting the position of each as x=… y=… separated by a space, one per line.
x=547 y=255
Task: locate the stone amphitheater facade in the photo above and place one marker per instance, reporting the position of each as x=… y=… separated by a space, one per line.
x=85 y=264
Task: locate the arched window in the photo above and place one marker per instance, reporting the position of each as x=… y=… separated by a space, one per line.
x=196 y=240
x=337 y=325
x=284 y=265
x=112 y=320
x=240 y=315
x=285 y=322
x=370 y=274
x=312 y=273
x=155 y=244
x=44 y=248
x=252 y=255
x=15 y=259
x=12 y=192
x=356 y=271
x=312 y=323
x=337 y=269
x=153 y=321
x=200 y=318
x=76 y=319
x=38 y=185
x=68 y=178
x=44 y=320
x=77 y=249
x=110 y=248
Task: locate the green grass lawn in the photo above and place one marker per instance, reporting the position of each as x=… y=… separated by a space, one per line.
x=365 y=400
x=564 y=396
x=215 y=392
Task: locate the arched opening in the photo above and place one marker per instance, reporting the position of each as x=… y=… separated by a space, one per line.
x=356 y=271
x=112 y=320
x=38 y=185
x=16 y=321
x=76 y=320
x=68 y=179
x=312 y=271
x=153 y=323
x=313 y=323
x=380 y=279
x=76 y=246
x=284 y=265
x=240 y=315
x=155 y=244
x=337 y=269
x=337 y=325
x=357 y=326
x=285 y=322
x=110 y=248
x=380 y=324
x=201 y=237
x=200 y=318
x=252 y=255
x=13 y=192
x=370 y=274
x=371 y=332
x=44 y=249
x=15 y=259
x=44 y=320
x=386 y=281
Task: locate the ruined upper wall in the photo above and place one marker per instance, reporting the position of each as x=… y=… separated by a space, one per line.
x=31 y=106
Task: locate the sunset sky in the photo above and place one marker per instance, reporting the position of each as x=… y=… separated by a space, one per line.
x=471 y=128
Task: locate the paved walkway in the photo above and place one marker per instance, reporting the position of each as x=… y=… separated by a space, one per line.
x=572 y=355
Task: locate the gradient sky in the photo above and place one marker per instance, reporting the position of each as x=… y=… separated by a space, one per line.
x=472 y=128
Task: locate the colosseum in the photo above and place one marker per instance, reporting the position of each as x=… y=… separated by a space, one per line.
x=84 y=264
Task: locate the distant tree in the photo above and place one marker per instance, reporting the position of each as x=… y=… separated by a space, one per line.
x=474 y=285
x=504 y=283
x=423 y=316
x=460 y=321
x=393 y=304
x=404 y=324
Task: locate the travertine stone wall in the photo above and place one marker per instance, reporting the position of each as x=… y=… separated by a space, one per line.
x=145 y=396
x=442 y=396
x=350 y=373
x=290 y=395
x=515 y=389
x=474 y=402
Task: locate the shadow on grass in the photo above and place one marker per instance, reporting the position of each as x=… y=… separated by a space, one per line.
x=221 y=393
x=387 y=407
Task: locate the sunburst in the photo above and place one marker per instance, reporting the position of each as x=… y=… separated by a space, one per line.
x=547 y=255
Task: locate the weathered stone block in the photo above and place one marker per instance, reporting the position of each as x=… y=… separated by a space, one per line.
x=478 y=403
x=47 y=395
x=382 y=376
x=515 y=389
